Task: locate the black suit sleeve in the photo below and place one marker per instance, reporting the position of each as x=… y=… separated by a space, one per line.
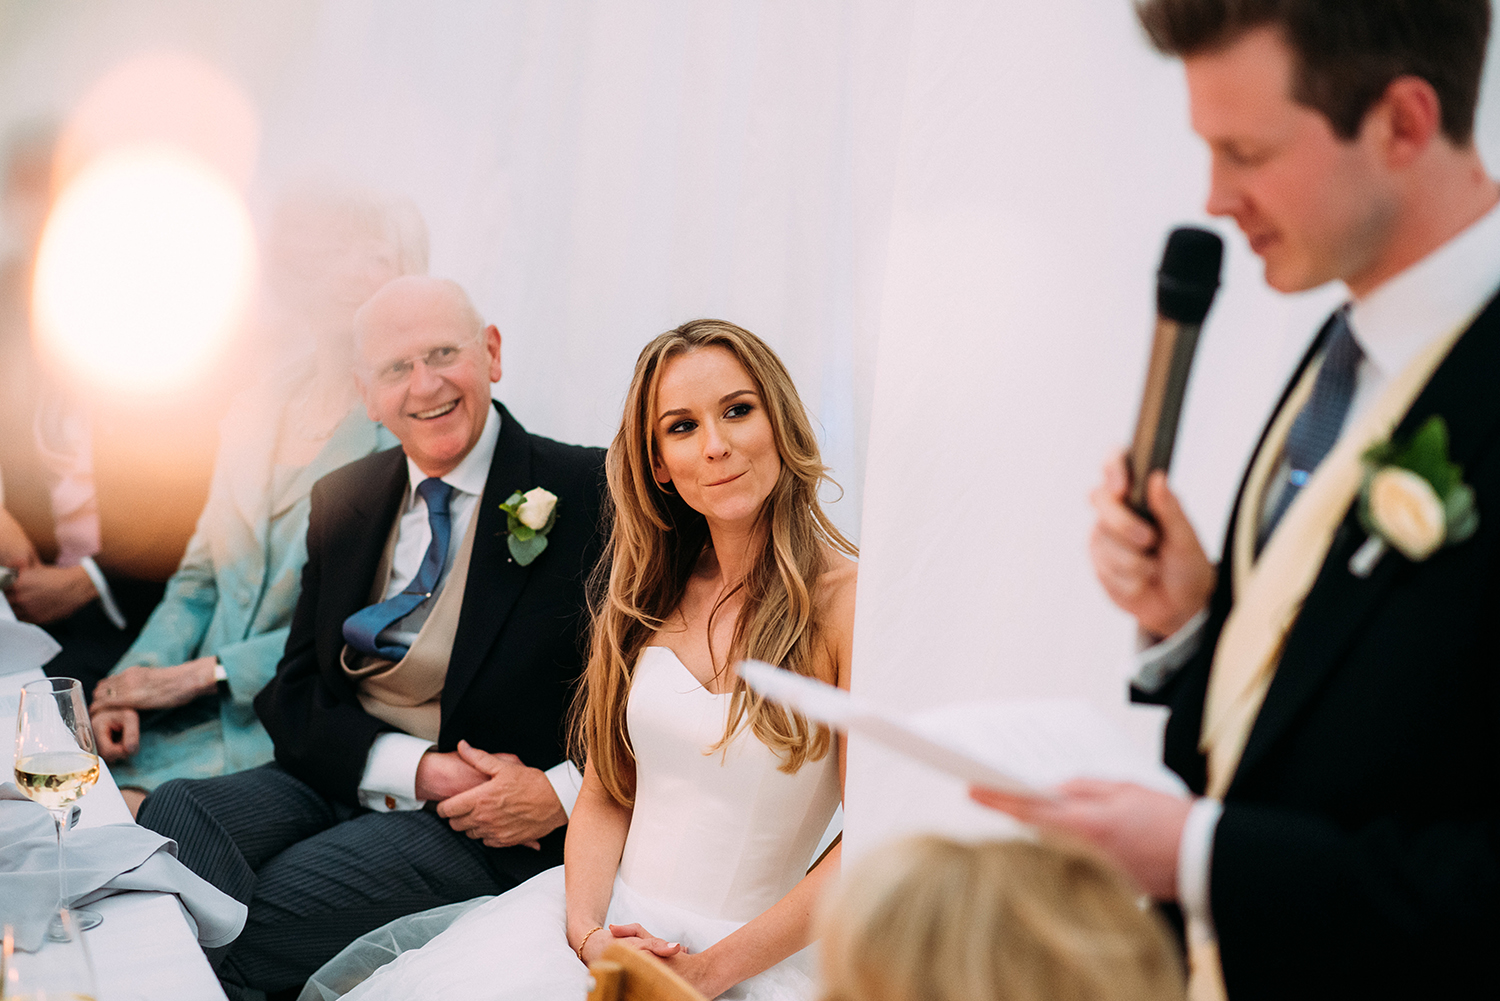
x=322 y=734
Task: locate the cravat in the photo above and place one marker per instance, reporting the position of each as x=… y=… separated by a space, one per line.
x=1317 y=427
x=363 y=628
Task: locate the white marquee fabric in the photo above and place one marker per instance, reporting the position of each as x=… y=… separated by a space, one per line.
x=945 y=214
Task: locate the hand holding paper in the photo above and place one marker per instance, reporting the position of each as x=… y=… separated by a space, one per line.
x=1139 y=828
x=1054 y=763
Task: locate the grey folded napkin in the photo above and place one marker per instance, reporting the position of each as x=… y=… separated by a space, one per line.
x=24 y=646
x=101 y=861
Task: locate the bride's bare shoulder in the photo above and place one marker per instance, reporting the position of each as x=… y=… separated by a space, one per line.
x=839 y=572
x=836 y=586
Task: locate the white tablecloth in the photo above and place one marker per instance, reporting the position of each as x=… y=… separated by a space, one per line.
x=143 y=951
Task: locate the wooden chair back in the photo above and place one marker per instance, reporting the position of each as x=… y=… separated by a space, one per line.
x=624 y=974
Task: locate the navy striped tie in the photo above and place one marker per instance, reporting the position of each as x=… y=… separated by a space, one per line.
x=363 y=628
x=1317 y=427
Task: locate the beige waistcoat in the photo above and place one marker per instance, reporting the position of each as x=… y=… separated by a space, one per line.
x=1269 y=591
x=408 y=693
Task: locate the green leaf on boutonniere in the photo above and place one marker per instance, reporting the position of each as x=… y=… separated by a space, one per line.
x=523 y=551
x=1413 y=497
x=1462 y=513
x=1425 y=453
x=527 y=543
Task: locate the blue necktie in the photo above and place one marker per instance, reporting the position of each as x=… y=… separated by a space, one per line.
x=363 y=628
x=1317 y=427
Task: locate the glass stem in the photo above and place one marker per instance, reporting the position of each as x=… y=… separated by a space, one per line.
x=61 y=818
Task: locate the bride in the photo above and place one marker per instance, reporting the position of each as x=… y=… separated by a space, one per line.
x=701 y=804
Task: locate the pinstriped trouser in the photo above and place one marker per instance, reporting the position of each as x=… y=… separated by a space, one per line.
x=315 y=874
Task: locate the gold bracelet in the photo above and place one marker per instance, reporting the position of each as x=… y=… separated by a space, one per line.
x=585 y=942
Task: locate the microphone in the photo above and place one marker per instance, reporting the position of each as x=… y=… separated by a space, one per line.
x=1185 y=287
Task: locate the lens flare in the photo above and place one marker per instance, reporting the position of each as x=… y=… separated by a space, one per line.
x=144 y=270
x=170 y=98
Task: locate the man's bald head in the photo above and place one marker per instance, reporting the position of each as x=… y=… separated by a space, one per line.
x=425 y=365
x=415 y=300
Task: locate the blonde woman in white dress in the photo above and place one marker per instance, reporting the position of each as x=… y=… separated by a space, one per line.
x=701 y=805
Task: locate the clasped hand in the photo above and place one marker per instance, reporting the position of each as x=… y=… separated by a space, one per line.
x=118 y=699
x=694 y=967
x=40 y=593
x=142 y=687
x=492 y=798
x=43 y=594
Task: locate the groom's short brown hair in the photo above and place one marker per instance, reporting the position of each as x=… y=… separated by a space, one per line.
x=1347 y=51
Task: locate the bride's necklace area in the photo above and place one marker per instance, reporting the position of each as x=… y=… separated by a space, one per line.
x=707 y=616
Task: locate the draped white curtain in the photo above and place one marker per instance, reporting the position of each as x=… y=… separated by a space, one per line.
x=593 y=173
x=944 y=214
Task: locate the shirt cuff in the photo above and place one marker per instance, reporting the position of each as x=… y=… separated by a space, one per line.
x=107 y=599
x=390 y=778
x=566 y=780
x=1194 y=860
x=1158 y=663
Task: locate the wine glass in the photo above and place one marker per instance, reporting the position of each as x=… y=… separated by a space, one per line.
x=55 y=765
x=60 y=972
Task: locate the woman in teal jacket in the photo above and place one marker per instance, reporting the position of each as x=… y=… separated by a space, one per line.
x=179 y=702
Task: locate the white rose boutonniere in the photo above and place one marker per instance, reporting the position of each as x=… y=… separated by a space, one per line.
x=1413 y=499
x=529 y=516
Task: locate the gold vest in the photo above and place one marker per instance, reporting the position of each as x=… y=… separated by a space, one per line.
x=408 y=693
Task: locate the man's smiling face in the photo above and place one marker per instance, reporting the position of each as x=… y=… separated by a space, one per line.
x=425 y=369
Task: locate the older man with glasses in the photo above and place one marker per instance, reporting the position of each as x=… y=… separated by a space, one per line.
x=418 y=710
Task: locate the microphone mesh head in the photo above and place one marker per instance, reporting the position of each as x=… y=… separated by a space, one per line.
x=1189 y=274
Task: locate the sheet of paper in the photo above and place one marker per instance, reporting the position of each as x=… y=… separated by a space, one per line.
x=1018 y=745
x=1046 y=742
x=24 y=646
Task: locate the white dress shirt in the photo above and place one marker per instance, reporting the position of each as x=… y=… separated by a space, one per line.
x=389 y=781
x=1441 y=293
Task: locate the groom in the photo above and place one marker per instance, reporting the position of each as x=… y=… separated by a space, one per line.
x=1335 y=703
x=426 y=665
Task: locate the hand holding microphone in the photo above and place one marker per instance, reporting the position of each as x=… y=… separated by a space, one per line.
x=1145 y=552
x=1158 y=572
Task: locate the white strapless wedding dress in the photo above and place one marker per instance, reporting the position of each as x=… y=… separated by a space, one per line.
x=715 y=839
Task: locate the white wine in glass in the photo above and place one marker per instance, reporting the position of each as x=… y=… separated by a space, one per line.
x=57 y=778
x=56 y=765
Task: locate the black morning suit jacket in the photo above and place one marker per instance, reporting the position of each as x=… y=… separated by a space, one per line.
x=519 y=646
x=1359 y=851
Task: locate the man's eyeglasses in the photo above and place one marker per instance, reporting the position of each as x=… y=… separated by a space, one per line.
x=439 y=359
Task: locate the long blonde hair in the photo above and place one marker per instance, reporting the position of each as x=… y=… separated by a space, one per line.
x=656 y=540
x=931 y=919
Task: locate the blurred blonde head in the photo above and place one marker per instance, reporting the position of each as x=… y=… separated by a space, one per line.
x=328 y=248
x=931 y=919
